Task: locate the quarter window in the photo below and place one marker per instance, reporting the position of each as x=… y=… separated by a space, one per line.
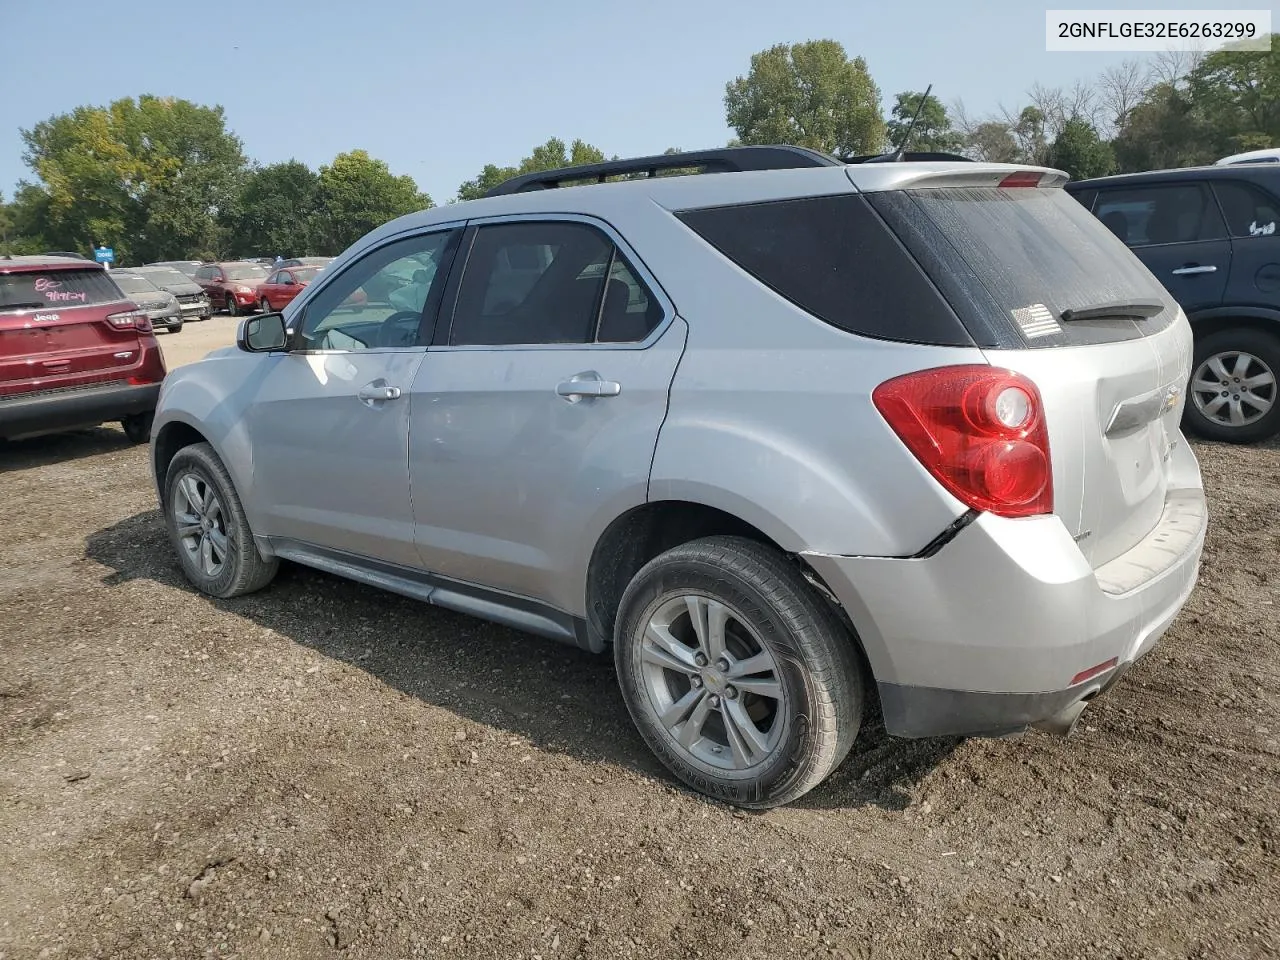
x=1249 y=211
x=1171 y=213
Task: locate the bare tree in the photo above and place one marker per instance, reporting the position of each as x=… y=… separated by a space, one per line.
x=1173 y=66
x=1120 y=89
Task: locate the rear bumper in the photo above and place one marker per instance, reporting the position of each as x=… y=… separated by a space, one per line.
x=989 y=634
x=76 y=407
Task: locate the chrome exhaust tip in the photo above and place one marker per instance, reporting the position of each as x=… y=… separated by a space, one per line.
x=1063 y=724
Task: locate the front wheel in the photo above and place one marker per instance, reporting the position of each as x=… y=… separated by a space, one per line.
x=232 y=309
x=740 y=678
x=175 y=327
x=264 y=305
x=208 y=528
x=1233 y=393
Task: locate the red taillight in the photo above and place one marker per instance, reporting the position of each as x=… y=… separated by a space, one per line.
x=130 y=320
x=979 y=431
x=1092 y=672
x=1023 y=178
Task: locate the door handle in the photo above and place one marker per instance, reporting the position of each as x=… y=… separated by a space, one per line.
x=587 y=385
x=1194 y=269
x=375 y=392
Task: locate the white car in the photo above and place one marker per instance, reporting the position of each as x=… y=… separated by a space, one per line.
x=1271 y=155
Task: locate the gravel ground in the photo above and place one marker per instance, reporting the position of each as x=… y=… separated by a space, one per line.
x=322 y=768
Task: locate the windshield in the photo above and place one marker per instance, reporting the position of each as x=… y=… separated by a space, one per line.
x=245 y=271
x=134 y=284
x=166 y=275
x=56 y=289
x=305 y=274
x=1012 y=260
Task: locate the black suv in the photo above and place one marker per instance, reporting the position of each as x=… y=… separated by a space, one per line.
x=1210 y=235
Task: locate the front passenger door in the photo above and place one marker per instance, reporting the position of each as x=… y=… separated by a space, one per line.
x=330 y=422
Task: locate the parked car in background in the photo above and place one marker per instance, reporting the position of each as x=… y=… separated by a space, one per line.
x=1253 y=156
x=283 y=285
x=191 y=296
x=160 y=306
x=589 y=411
x=74 y=350
x=188 y=267
x=1211 y=236
x=66 y=253
x=305 y=262
x=232 y=286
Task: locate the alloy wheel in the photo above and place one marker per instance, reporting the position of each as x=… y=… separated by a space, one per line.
x=712 y=684
x=202 y=525
x=1233 y=388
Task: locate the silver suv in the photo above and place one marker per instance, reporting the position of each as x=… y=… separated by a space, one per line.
x=787 y=436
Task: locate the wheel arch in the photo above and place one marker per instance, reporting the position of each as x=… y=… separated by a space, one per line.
x=643 y=532
x=1206 y=322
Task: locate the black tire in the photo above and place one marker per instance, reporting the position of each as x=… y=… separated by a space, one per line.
x=175 y=327
x=811 y=653
x=264 y=305
x=233 y=308
x=207 y=316
x=138 y=427
x=243 y=569
x=1264 y=349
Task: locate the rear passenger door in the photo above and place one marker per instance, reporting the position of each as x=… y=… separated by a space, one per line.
x=1177 y=231
x=1253 y=220
x=536 y=412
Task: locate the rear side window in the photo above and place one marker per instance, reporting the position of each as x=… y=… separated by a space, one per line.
x=834 y=258
x=1171 y=213
x=546 y=283
x=57 y=289
x=1011 y=261
x=1250 y=212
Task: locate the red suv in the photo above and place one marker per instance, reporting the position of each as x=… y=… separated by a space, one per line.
x=74 y=350
x=232 y=286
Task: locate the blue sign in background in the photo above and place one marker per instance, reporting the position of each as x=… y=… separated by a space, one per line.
x=104 y=255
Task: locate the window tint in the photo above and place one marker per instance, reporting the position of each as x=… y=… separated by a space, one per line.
x=381 y=299
x=1173 y=213
x=532 y=283
x=1250 y=212
x=204 y=273
x=57 y=289
x=833 y=257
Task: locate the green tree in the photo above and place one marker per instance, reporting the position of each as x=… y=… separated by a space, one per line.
x=1081 y=152
x=991 y=141
x=933 y=130
x=355 y=194
x=1028 y=131
x=551 y=155
x=1166 y=129
x=276 y=211
x=148 y=176
x=808 y=94
x=1240 y=90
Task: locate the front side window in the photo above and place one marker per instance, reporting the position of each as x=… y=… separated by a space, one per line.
x=1170 y=213
x=554 y=282
x=381 y=300
x=1250 y=212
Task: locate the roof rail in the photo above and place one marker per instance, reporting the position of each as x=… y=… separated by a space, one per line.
x=722 y=160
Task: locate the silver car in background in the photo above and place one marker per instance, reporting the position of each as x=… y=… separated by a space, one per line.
x=191 y=297
x=785 y=436
x=162 y=308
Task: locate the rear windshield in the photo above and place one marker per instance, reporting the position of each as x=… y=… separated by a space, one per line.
x=1011 y=261
x=134 y=284
x=57 y=289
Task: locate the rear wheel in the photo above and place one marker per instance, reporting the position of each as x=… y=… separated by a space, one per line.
x=1233 y=392
x=208 y=528
x=232 y=308
x=138 y=427
x=740 y=678
x=264 y=305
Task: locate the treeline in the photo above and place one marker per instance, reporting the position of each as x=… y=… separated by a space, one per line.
x=162 y=178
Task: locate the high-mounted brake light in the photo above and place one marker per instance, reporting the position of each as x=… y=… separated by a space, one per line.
x=979 y=431
x=1023 y=178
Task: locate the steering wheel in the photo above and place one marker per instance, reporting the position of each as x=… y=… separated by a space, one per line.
x=388 y=336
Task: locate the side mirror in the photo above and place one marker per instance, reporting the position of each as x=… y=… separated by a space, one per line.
x=262 y=334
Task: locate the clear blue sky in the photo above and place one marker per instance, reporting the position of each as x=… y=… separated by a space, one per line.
x=438 y=89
